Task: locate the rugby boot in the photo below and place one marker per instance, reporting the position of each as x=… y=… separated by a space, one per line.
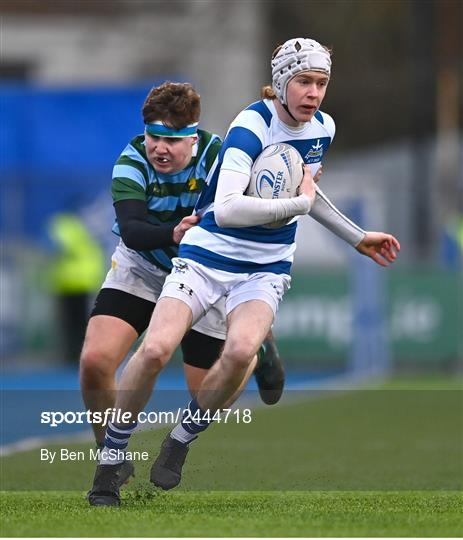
x=269 y=372
x=127 y=470
x=105 y=489
x=166 y=471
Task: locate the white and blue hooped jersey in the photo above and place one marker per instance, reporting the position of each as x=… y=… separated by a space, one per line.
x=257 y=248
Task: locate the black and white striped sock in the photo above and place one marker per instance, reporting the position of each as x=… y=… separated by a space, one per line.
x=193 y=422
x=116 y=441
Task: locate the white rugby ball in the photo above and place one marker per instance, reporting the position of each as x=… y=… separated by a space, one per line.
x=276 y=174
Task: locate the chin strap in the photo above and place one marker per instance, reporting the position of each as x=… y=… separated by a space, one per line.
x=286 y=108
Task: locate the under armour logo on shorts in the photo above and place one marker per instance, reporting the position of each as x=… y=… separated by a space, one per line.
x=185 y=288
x=180 y=267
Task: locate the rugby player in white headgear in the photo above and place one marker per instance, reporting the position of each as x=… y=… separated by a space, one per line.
x=233 y=254
x=297 y=56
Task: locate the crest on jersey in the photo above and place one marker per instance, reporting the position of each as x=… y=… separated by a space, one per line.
x=180 y=266
x=316 y=151
x=192 y=184
x=313 y=150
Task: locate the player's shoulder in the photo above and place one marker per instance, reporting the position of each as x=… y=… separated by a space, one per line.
x=209 y=145
x=325 y=122
x=262 y=111
x=138 y=142
x=207 y=139
x=251 y=126
x=255 y=116
x=132 y=162
x=135 y=149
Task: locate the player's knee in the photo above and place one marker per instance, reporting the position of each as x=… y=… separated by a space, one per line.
x=95 y=363
x=155 y=355
x=238 y=355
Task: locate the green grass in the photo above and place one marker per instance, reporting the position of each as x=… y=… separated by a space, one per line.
x=307 y=514
x=383 y=462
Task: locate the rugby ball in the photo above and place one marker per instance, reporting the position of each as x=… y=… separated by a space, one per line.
x=276 y=174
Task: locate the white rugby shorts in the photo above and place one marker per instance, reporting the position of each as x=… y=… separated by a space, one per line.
x=133 y=274
x=200 y=287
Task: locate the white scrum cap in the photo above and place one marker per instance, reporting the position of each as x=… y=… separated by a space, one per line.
x=295 y=55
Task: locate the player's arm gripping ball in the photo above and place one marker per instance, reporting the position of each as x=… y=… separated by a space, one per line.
x=307 y=185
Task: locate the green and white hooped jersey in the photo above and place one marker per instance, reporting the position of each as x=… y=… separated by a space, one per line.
x=170 y=197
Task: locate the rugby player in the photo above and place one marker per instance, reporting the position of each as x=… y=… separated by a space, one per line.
x=156 y=182
x=230 y=255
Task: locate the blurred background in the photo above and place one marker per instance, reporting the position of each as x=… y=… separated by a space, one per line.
x=73 y=77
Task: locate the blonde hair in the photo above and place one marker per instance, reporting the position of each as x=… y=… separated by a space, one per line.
x=267 y=92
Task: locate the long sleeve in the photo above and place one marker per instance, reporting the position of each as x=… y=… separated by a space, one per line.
x=136 y=231
x=326 y=213
x=234 y=209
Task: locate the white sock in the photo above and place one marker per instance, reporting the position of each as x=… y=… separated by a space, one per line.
x=179 y=433
x=109 y=456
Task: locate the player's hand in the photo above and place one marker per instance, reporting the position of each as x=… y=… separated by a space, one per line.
x=318 y=174
x=381 y=247
x=307 y=185
x=186 y=223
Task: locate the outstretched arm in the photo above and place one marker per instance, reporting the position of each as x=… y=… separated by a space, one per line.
x=380 y=247
x=326 y=213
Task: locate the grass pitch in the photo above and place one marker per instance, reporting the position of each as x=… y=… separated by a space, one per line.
x=179 y=514
x=386 y=462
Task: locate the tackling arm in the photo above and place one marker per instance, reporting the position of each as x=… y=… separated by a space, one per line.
x=139 y=234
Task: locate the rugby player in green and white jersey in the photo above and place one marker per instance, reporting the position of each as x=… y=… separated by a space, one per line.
x=156 y=183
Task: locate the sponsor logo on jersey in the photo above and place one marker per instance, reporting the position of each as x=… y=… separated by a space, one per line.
x=312 y=150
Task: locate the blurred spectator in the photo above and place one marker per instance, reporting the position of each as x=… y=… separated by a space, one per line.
x=452 y=243
x=75 y=274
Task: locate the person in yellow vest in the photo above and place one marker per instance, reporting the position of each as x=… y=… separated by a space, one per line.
x=76 y=274
x=460 y=235
x=451 y=246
